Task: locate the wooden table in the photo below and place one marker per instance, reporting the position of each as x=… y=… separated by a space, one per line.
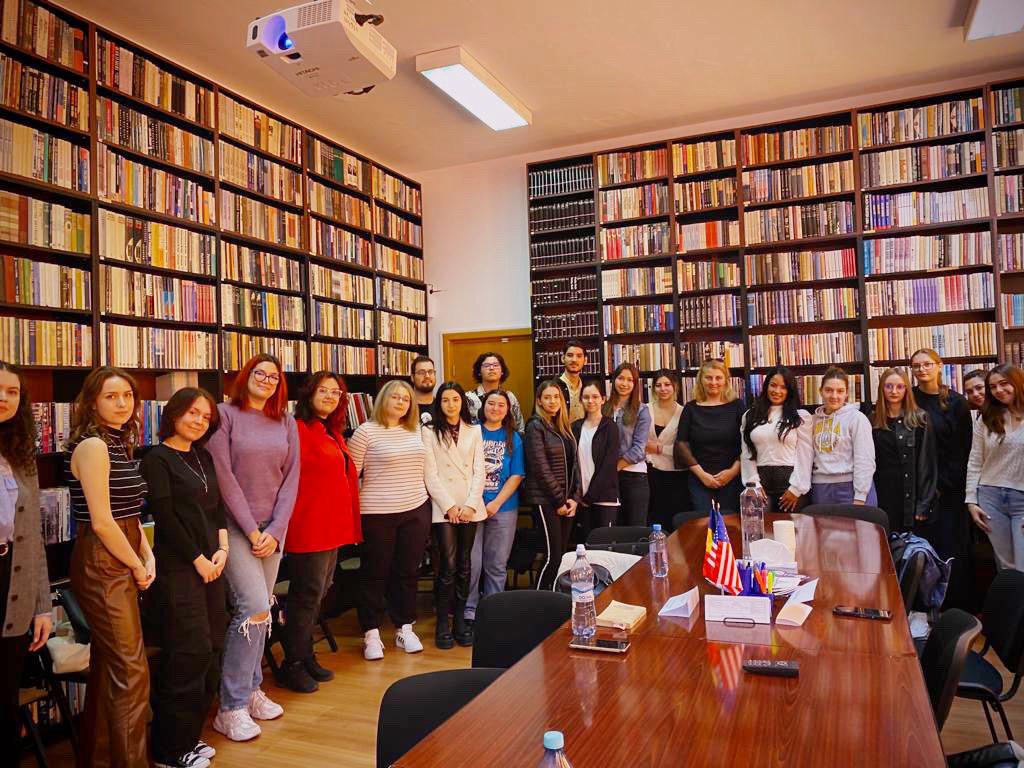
x=679 y=696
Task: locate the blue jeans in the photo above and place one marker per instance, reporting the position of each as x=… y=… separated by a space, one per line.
x=728 y=498
x=491 y=549
x=250 y=582
x=839 y=493
x=1005 y=508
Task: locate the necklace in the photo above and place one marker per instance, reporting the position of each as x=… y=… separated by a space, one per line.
x=202 y=477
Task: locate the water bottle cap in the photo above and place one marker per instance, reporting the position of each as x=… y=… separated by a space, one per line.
x=554 y=739
x=751 y=485
x=581 y=550
x=656 y=527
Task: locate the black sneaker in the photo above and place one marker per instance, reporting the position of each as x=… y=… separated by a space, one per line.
x=188 y=760
x=295 y=678
x=318 y=673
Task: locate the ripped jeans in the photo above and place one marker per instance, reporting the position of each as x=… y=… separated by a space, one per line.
x=250 y=582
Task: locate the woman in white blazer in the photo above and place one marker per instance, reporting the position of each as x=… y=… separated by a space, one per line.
x=455 y=477
x=669 y=493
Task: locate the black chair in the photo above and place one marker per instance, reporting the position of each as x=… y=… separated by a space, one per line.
x=27 y=699
x=627 y=548
x=55 y=681
x=1002 y=621
x=618 y=534
x=679 y=519
x=910 y=581
x=868 y=514
x=944 y=657
x=511 y=624
x=990 y=756
x=415 y=706
x=527 y=546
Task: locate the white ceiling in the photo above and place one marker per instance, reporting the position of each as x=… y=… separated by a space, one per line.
x=588 y=69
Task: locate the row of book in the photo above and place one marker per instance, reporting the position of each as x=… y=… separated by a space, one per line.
x=337 y=321
x=250 y=265
x=339 y=244
x=775 y=146
x=1007 y=105
x=398 y=262
x=58 y=526
x=949 y=293
x=252 y=218
x=634 y=241
x=258 y=129
x=908 y=209
x=45 y=342
x=769 y=185
x=801 y=305
x=1008 y=148
x=35 y=28
x=646 y=357
x=41 y=284
x=809 y=387
x=913 y=123
x=636 y=281
x=707 y=275
x=399 y=329
x=258 y=174
x=126 y=127
x=714 y=311
x=338 y=205
x=395 y=227
x=29 y=221
x=141 y=241
x=405 y=298
x=564 y=215
x=145 y=296
x=804 y=349
x=769 y=269
x=921 y=253
x=397 y=192
x=794 y=222
x=395 y=362
x=694 y=196
x=342 y=286
x=567 y=250
x=261 y=309
x=122 y=180
x=346 y=360
x=549 y=363
x=53 y=98
x=574 y=325
x=542 y=182
x=124 y=70
x=634 y=202
x=129 y=346
x=693 y=353
x=912 y=164
x=53 y=425
x=1013 y=310
x=952 y=374
x=688 y=387
x=24 y=151
x=701 y=156
x=949 y=340
x=338 y=165
x=1009 y=193
x=638 y=318
x=625 y=167
x=572 y=288
x=239 y=347
x=1013 y=352
x=706 y=234
x=150 y=412
x=1011 y=252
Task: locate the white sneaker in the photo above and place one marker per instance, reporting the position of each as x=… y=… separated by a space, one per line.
x=373 y=648
x=236 y=724
x=205 y=750
x=188 y=760
x=406 y=639
x=262 y=708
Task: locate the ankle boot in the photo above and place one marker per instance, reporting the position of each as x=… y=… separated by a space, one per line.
x=296 y=678
x=443 y=634
x=463 y=632
x=317 y=672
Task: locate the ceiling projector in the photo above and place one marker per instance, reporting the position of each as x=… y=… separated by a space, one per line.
x=324 y=48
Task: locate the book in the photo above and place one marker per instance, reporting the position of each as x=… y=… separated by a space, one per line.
x=333 y=242
x=569 y=214
x=336 y=164
x=574 y=325
x=702 y=156
x=635 y=281
x=772 y=146
x=561 y=290
x=399 y=329
x=126 y=127
x=709 y=311
x=925 y=253
x=634 y=241
x=38 y=29
x=340 y=322
x=548 y=363
x=694 y=196
x=907 y=209
x=392 y=294
x=131 y=293
x=53 y=425
x=692 y=354
x=929 y=163
x=249 y=265
x=395 y=191
x=120 y=179
x=1008 y=148
x=804 y=349
x=809 y=387
x=38 y=155
x=780 y=184
x=129 y=346
x=252 y=218
x=707 y=275
x=638 y=318
x=949 y=340
x=1011 y=252
x=41 y=94
x=258 y=174
x=577 y=177
x=562 y=252
x=338 y=205
x=1009 y=193
x=343 y=286
x=801 y=305
x=706 y=234
x=45 y=342
x=633 y=202
x=140 y=241
x=924 y=122
x=622 y=167
x=397 y=262
x=647 y=357
x=618 y=615
x=1007 y=104
x=348 y=361
x=770 y=269
x=258 y=129
x=239 y=347
x=395 y=227
x=29 y=221
x=261 y=309
x=1013 y=310
x=41 y=284
x=949 y=293
x=395 y=362
x=795 y=222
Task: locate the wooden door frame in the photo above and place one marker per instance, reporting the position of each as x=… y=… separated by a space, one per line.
x=498 y=335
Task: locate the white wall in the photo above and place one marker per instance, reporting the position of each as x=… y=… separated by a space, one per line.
x=474 y=219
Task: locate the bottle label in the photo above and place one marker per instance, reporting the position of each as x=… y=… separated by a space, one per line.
x=582 y=595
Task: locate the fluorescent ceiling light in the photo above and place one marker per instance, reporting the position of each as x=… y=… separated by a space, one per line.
x=464 y=79
x=992 y=18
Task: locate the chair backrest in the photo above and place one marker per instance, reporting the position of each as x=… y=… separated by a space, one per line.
x=943 y=658
x=858 y=512
x=910 y=581
x=511 y=624
x=1002 y=618
x=415 y=706
x=75 y=614
x=629 y=548
x=679 y=519
x=618 y=534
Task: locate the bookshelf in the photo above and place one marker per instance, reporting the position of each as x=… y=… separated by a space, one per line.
x=851 y=238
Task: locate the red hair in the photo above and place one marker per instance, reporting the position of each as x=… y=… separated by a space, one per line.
x=277 y=403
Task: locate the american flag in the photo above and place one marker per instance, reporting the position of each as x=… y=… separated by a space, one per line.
x=719 y=561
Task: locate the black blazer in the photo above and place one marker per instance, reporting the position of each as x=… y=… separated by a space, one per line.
x=604 y=485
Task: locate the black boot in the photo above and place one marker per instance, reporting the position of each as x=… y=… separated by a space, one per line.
x=463 y=630
x=318 y=673
x=295 y=677
x=443 y=634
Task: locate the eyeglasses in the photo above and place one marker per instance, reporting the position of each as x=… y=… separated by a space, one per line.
x=927 y=366
x=424 y=372
x=895 y=387
x=491 y=365
x=259 y=375
x=323 y=392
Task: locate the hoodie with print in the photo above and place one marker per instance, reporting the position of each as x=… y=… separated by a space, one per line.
x=843 y=449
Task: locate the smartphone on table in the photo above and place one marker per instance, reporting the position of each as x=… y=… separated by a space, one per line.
x=877 y=614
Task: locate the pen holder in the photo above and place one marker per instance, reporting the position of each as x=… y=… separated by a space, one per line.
x=749 y=582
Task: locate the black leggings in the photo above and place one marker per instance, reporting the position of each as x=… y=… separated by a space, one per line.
x=557 y=529
x=454 y=547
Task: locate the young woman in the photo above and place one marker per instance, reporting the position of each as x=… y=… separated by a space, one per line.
x=504 y=468
x=709 y=439
x=455 y=481
x=995 y=472
x=389 y=453
x=669 y=492
x=844 y=452
x=598 y=442
x=634 y=420
x=776 y=451
x=256 y=452
x=110 y=564
x=974 y=390
x=187 y=599
x=25 y=621
x=326 y=516
x=552 y=475
x=905 y=467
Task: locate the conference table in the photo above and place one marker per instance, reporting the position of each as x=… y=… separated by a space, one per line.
x=679 y=696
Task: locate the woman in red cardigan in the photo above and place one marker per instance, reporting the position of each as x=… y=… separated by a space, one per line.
x=326 y=516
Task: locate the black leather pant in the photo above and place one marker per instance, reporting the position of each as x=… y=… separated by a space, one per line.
x=454 y=548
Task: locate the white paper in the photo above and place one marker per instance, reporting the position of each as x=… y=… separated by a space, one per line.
x=681 y=605
x=785 y=585
x=770 y=552
x=793 y=614
x=722 y=607
x=804 y=593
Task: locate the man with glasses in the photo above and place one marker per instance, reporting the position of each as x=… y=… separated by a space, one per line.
x=574 y=360
x=424 y=377
x=490 y=372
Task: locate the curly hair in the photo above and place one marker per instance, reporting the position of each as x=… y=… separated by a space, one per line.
x=478 y=365
x=18 y=433
x=304 y=410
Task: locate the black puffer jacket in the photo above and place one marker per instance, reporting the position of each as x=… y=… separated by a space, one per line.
x=604 y=485
x=549 y=481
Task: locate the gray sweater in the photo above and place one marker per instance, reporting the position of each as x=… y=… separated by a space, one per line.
x=29 y=593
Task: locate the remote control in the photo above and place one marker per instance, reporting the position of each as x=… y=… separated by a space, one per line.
x=773 y=668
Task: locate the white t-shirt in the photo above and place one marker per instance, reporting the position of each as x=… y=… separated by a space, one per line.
x=586 y=459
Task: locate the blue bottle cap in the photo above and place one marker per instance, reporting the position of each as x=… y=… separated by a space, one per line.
x=656 y=527
x=553 y=740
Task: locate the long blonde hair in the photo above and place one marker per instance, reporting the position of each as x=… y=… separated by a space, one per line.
x=411 y=420
x=913 y=416
x=728 y=393
x=943 y=388
x=561 y=420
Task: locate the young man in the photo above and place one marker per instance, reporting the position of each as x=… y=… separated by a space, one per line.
x=574 y=360
x=490 y=371
x=423 y=378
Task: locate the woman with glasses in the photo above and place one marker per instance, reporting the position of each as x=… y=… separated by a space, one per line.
x=326 y=516
x=256 y=453
x=905 y=465
x=634 y=420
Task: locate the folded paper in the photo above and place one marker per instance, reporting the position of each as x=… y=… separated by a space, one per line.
x=682 y=605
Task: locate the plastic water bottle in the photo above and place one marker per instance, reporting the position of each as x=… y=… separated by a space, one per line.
x=554 y=755
x=658 y=551
x=584 y=615
x=752 y=510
